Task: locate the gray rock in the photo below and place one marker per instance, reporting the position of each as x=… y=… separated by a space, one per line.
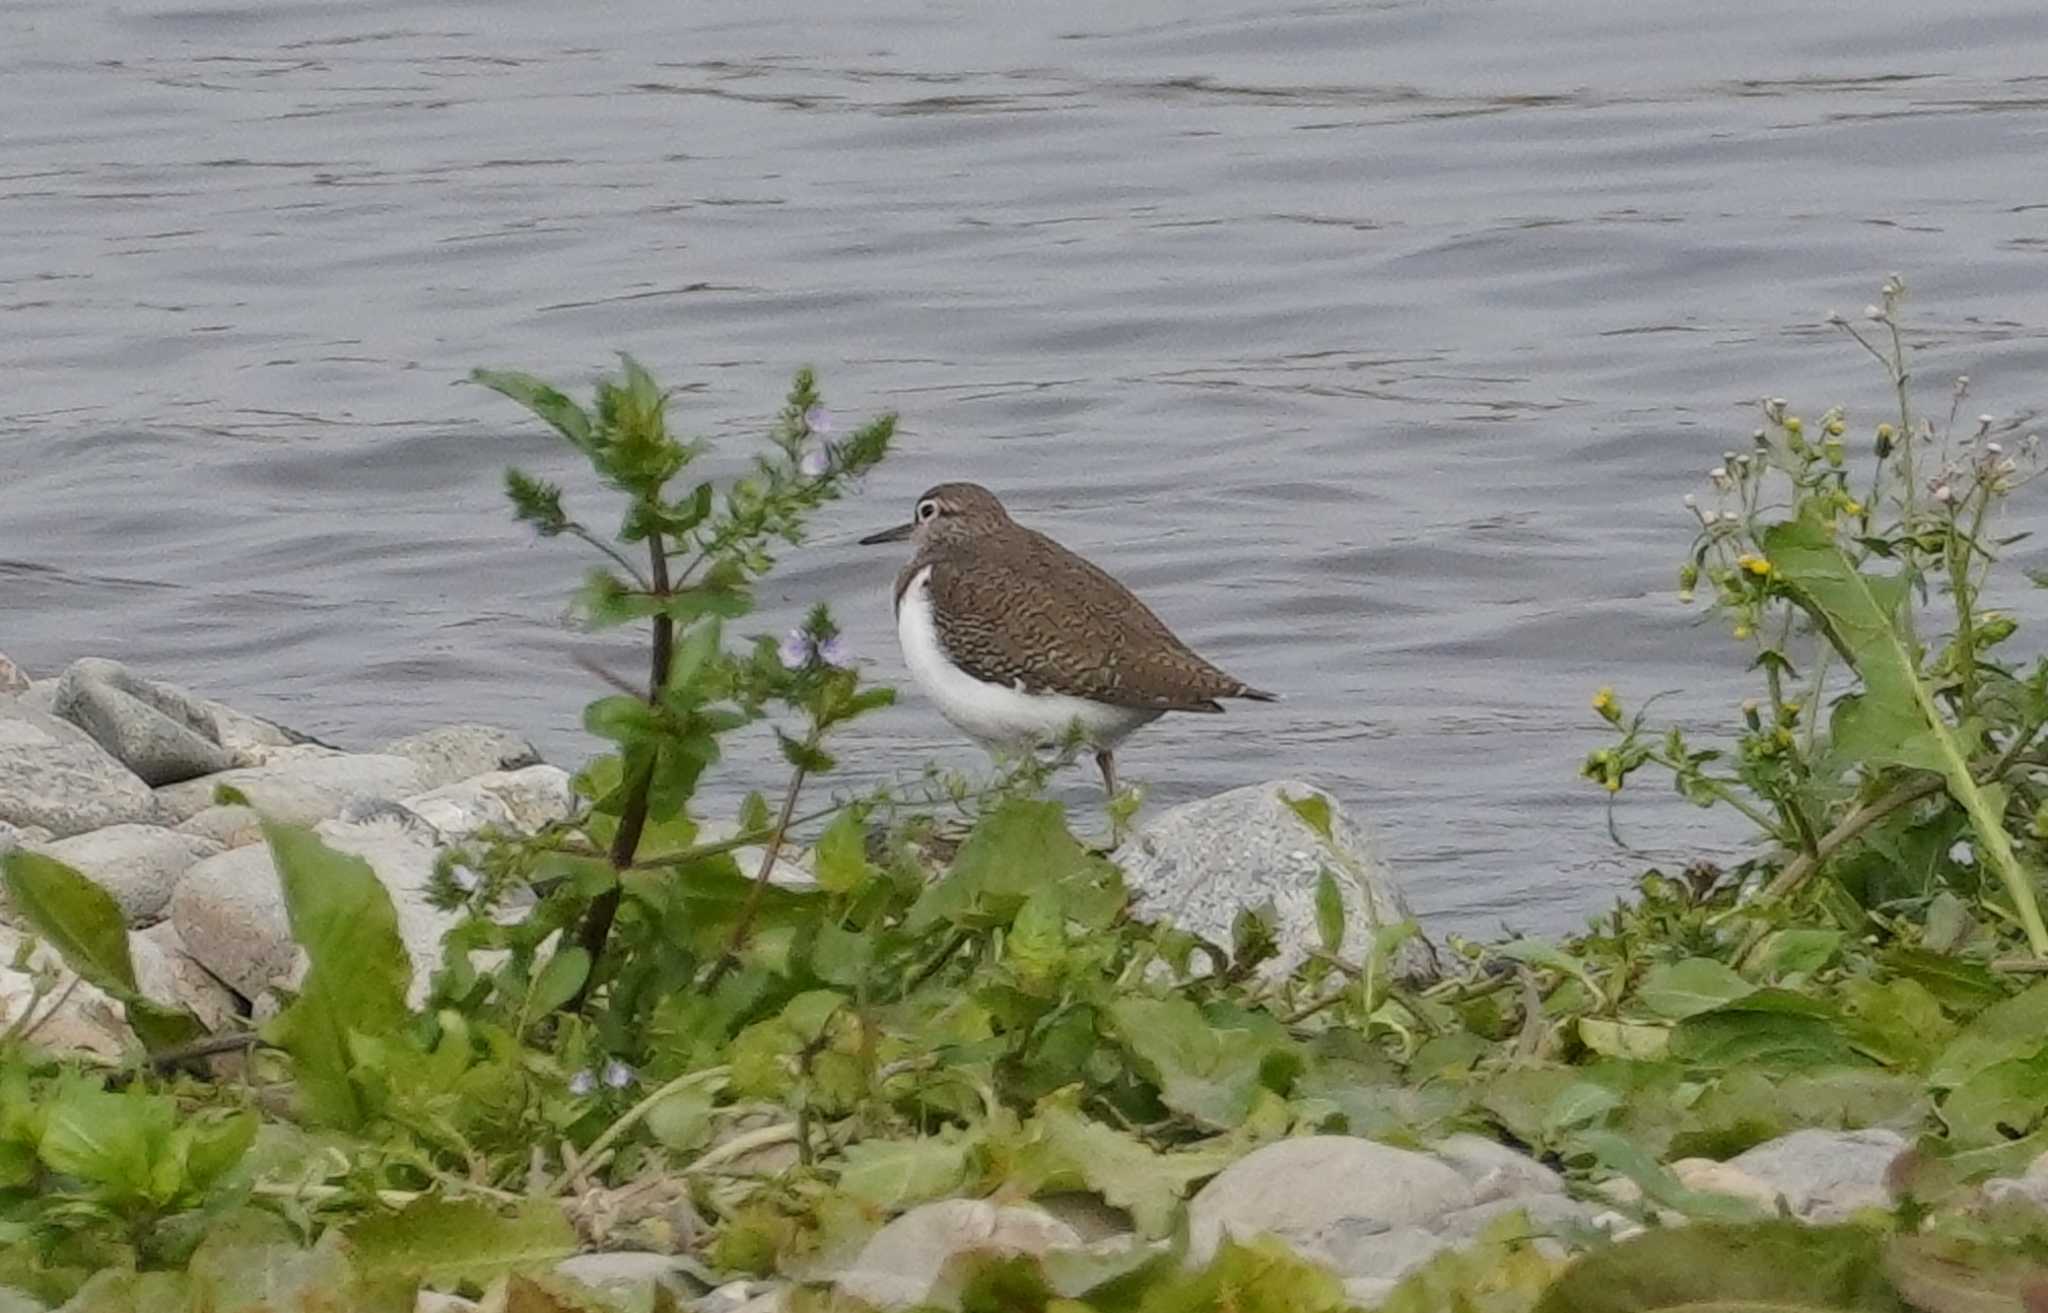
x=229 y=826
x=249 y=737
x=138 y=864
x=1824 y=1175
x=166 y=972
x=1200 y=864
x=627 y=1272
x=900 y=1262
x=230 y=911
x=1546 y=1212
x=157 y=730
x=432 y=1301
x=18 y=836
x=54 y=777
x=13 y=679
x=1363 y=1208
x=523 y=800
x=745 y=1297
x=1495 y=1171
x=74 y=1017
x=300 y=786
x=459 y=752
x=40 y=695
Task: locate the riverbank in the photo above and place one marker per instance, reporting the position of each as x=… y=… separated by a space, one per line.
x=1405 y=1118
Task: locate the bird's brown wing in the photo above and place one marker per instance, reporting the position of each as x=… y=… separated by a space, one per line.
x=1036 y=616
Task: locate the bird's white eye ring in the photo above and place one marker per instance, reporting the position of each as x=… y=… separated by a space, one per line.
x=927 y=509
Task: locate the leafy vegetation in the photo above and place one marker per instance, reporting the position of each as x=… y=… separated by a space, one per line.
x=635 y=1040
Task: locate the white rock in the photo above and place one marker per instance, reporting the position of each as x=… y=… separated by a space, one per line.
x=157 y=730
x=1363 y=1208
x=1825 y=1175
x=85 y=1021
x=22 y=836
x=229 y=826
x=460 y=752
x=1200 y=864
x=230 y=909
x=899 y=1263
x=791 y=871
x=303 y=787
x=626 y=1272
x=524 y=800
x=1495 y=1171
x=430 y=1301
x=53 y=776
x=40 y=695
x=13 y=679
x=166 y=972
x=138 y=864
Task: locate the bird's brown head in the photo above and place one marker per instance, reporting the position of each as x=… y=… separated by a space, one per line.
x=948 y=512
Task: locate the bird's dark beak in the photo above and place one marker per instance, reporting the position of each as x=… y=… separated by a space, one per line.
x=895 y=535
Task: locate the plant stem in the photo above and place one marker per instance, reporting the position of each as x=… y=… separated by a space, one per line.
x=604 y=909
x=630 y=1118
x=731 y=956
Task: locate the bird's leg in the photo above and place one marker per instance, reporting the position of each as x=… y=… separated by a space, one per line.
x=1106 y=760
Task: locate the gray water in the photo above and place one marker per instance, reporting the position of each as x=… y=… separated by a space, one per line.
x=1373 y=343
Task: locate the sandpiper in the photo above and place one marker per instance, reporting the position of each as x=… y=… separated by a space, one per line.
x=1017 y=639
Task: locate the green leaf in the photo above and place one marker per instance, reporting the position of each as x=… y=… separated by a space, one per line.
x=1314 y=810
x=1898 y=1022
x=1962 y=985
x=894 y=1174
x=1329 y=912
x=1678 y=990
x=2002 y=1032
x=1619 y=1039
x=442 y=1242
x=1542 y=953
x=1758 y=1266
x=1208 y=1065
x=1064 y=1150
x=1658 y=1185
x=682 y=1119
x=108 y=1139
x=2004 y=1101
x=558 y=981
x=1788 y=952
x=840 y=859
x=74 y=916
x=563 y=415
x=356 y=985
x=1896 y=718
x=1015 y=849
x=1768 y=1028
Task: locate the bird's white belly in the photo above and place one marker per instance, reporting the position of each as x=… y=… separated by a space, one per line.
x=998 y=715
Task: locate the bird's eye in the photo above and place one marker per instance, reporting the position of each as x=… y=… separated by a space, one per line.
x=927 y=509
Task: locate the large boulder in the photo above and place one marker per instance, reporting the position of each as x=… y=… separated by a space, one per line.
x=54 y=777
x=899 y=1264
x=13 y=679
x=460 y=752
x=301 y=786
x=1201 y=864
x=78 y=1018
x=138 y=864
x=229 y=910
x=1820 y=1175
x=157 y=730
x=523 y=800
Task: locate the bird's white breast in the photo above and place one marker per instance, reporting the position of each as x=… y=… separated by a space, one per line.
x=997 y=715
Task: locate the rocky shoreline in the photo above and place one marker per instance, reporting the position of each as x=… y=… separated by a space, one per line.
x=155 y=793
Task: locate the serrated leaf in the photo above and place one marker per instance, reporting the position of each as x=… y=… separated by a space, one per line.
x=561 y=414
x=1209 y=1064
x=894 y=1174
x=1036 y=947
x=840 y=858
x=2014 y=1028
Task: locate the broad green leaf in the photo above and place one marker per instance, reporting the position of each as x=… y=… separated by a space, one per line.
x=1757 y=1266
x=1036 y=947
x=1257 y=1276
x=1209 y=1065
x=1658 y=1185
x=2002 y=1102
x=1579 y=1104
x=1314 y=810
x=894 y=1174
x=1800 y=950
x=236 y=1275
x=1682 y=989
x=1016 y=849
x=1617 y=1039
x=110 y=1140
x=2014 y=1028
x=1065 y=1150
x=682 y=1120
x=840 y=859
x=441 y=1242
x=1897 y=717
x=1498 y=1272
x=1962 y=986
x=74 y=916
x=342 y=916
x=1768 y=1028
x=1898 y=1022
x=558 y=981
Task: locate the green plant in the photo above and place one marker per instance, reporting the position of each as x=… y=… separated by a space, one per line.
x=1859 y=586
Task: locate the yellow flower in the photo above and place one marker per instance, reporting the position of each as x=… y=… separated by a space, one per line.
x=1793 y=424
x=1755 y=564
x=1613 y=785
x=1743 y=631
x=1606 y=706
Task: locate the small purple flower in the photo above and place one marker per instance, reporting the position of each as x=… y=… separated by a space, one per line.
x=817 y=421
x=835 y=652
x=794 y=650
x=618 y=1075
x=582 y=1084
x=816 y=462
